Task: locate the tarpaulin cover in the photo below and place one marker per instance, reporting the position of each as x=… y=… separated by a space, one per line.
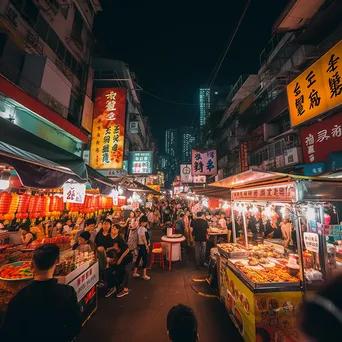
x=98 y=181
x=16 y=136
x=35 y=171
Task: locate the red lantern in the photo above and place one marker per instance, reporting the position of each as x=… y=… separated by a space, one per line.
x=5 y=202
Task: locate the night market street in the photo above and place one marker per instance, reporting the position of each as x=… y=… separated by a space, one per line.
x=141 y=316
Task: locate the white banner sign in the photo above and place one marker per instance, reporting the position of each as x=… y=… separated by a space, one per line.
x=185 y=173
x=311 y=242
x=135 y=205
x=134 y=127
x=115 y=195
x=84 y=282
x=199 y=179
x=74 y=193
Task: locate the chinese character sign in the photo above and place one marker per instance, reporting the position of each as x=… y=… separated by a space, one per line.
x=320 y=139
x=199 y=179
x=244 y=157
x=74 y=193
x=107 y=140
x=140 y=163
x=317 y=89
x=185 y=173
x=204 y=162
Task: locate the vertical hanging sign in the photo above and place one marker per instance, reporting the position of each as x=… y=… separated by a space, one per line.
x=108 y=134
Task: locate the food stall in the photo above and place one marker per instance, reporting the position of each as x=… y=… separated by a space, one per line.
x=38 y=192
x=277 y=257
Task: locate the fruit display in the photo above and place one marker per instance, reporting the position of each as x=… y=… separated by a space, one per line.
x=16 y=271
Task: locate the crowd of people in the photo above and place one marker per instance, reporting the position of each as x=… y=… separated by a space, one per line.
x=122 y=248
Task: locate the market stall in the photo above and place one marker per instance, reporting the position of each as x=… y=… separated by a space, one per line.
x=36 y=196
x=277 y=256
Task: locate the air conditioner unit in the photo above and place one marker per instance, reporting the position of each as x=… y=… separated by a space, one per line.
x=293 y=156
x=289 y=139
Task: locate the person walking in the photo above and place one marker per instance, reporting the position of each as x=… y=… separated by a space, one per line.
x=49 y=311
x=143 y=248
x=200 y=228
x=132 y=240
x=182 y=324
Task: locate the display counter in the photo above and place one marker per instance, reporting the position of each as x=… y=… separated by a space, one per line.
x=262 y=300
x=83 y=279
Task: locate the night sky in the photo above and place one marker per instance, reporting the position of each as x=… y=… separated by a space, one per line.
x=173 y=46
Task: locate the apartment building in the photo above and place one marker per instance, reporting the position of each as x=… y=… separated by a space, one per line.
x=46 y=77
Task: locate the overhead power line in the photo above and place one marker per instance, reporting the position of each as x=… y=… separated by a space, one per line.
x=169 y=101
x=219 y=62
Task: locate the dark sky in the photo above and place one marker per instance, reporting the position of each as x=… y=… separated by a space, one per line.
x=173 y=47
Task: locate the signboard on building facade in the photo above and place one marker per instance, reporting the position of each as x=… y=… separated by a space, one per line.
x=140 y=163
x=185 y=173
x=107 y=141
x=204 y=162
x=276 y=192
x=114 y=173
x=199 y=179
x=318 y=88
x=320 y=139
x=244 y=157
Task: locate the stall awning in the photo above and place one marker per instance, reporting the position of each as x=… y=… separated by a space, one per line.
x=26 y=141
x=35 y=171
x=134 y=186
x=98 y=181
x=247 y=177
x=215 y=191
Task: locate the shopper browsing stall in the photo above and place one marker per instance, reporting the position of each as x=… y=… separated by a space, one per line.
x=25 y=235
x=83 y=243
x=200 y=233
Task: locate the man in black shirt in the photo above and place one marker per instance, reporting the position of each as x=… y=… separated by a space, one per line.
x=200 y=233
x=50 y=311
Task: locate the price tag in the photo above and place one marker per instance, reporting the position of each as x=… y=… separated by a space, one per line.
x=311 y=242
x=74 y=193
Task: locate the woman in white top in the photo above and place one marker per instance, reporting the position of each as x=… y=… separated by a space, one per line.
x=222 y=222
x=143 y=248
x=285 y=226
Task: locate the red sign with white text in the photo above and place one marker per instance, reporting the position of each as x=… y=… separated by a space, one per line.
x=320 y=139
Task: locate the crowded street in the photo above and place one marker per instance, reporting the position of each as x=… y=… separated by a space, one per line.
x=170 y=172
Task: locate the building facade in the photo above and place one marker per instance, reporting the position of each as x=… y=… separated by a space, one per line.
x=110 y=73
x=45 y=68
x=258 y=128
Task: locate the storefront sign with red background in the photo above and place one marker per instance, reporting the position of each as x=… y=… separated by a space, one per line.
x=320 y=139
x=244 y=157
x=108 y=134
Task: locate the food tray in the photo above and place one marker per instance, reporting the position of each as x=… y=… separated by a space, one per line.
x=233 y=255
x=261 y=286
x=18 y=263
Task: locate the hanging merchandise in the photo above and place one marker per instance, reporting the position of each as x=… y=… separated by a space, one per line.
x=24 y=201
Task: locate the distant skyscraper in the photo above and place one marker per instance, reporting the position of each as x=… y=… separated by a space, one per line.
x=171 y=143
x=211 y=100
x=187 y=143
x=204 y=99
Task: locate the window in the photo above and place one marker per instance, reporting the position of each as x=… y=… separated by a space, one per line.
x=68 y=58
x=31 y=10
x=52 y=40
x=64 y=11
x=73 y=65
x=77 y=25
x=79 y=71
x=74 y=114
x=42 y=27
x=61 y=50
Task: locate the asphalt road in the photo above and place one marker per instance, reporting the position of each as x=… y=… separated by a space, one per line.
x=141 y=316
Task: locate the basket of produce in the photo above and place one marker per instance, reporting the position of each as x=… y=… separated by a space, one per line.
x=17 y=271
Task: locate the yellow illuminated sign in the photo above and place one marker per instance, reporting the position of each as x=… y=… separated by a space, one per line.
x=317 y=89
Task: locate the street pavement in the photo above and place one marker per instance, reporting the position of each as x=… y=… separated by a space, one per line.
x=141 y=316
